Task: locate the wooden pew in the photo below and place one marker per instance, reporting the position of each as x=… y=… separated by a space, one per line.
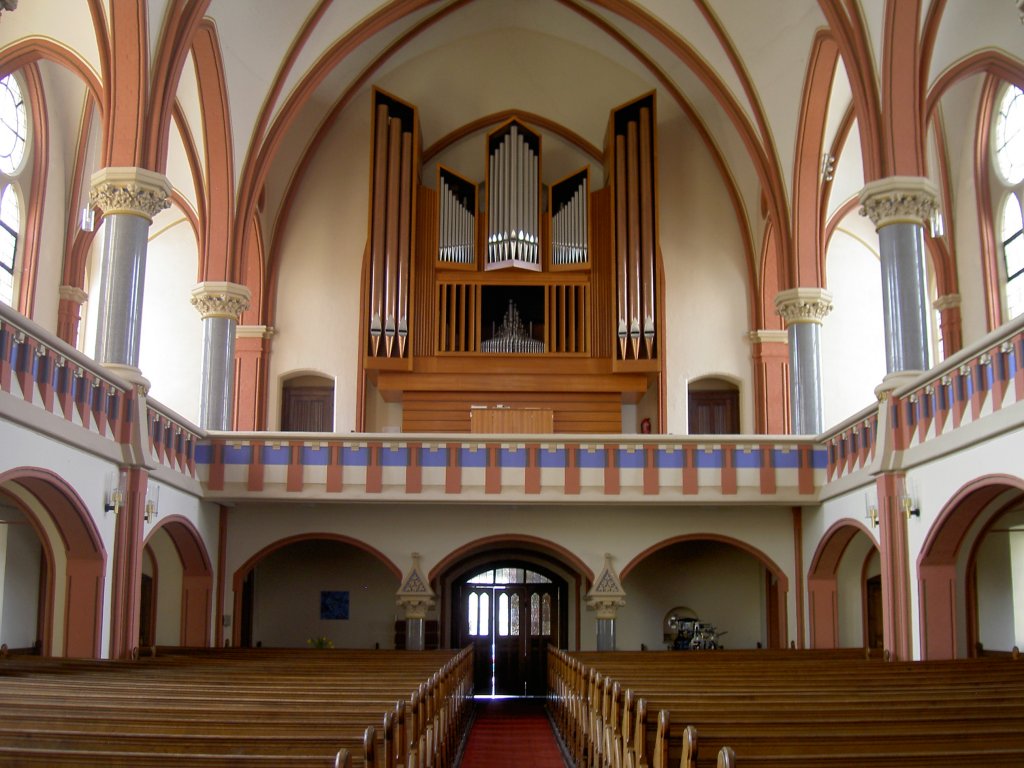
x=315 y=708
x=789 y=708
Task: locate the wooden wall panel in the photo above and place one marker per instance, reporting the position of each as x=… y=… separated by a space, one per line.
x=574 y=413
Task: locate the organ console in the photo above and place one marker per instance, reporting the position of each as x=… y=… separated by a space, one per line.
x=570 y=271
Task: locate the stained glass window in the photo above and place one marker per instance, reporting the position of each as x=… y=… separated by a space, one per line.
x=9 y=225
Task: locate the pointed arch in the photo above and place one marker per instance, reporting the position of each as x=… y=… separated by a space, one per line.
x=215 y=249
x=822 y=583
x=808 y=193
x=940 y=616
x=196 y=579
x=84 y=556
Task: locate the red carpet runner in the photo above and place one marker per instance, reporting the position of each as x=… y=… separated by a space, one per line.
x=511 y=733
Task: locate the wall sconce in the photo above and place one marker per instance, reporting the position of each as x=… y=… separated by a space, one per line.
x=152 y=508
x=828 y=166
x=114 y=495
x=908 y=501
x=870 y=511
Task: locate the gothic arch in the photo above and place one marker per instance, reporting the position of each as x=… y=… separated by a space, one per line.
x=196 y=579
x=513 y=541
x=822 y=583
x=778 y=587
x=83 y=555
x=940 y=616
x=240 y=574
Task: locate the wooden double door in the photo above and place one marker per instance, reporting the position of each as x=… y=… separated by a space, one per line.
x=510 y=627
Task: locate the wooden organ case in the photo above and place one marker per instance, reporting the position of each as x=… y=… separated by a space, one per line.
x=513 y=293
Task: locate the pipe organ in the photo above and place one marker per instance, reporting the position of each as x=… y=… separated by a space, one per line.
x=513 y=195
x=392 y=194
x=548 y=288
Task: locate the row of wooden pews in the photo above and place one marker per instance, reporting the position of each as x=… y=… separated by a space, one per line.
x=235 y=707
x=785 y=709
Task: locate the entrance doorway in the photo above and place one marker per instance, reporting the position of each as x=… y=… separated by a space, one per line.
x=510 y=615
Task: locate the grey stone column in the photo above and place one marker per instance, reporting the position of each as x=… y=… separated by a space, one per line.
x=606 y=597
x=899 y=207
x=803 y=310
x=220 y=304
x=129 y=199
x=416 y=599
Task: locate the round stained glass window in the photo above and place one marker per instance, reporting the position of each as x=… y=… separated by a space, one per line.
x=1009 y=138
x=13 y=123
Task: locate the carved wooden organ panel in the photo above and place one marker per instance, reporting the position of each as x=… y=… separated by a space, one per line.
x=555 y=278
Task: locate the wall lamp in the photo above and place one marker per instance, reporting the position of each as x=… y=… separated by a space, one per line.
x=871 y=511
x=908 y=501
x=113 y=498
x=152 y=508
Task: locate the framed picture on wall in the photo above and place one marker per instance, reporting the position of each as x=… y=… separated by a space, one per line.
x=334 y=605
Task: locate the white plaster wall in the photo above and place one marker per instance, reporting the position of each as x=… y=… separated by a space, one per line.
x=168 y=589
x=707 y=314
x=995 y=600
x=853 y=334
x=320 y=259
x=850 y=591
x=171 y=353
x=20 y=560
x=287 y=587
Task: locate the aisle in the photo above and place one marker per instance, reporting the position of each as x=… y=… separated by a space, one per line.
x=511 y=733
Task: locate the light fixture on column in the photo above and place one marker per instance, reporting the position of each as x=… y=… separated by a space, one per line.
x=870 y=511
x=113 y=497
x=908 y=500
x=152 y=508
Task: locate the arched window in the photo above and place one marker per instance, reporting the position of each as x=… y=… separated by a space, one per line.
x=13 y=149
x=1008 y=158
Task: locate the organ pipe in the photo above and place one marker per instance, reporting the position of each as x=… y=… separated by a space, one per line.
x=391 y=225
x=569 y=223
x=457 y=219
x=647 y=229
x=635 y=223
x=513 y=195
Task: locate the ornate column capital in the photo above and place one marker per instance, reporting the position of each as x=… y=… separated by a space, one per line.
x=135 y=191
x=949 y=301
x=607 y=594
x=415 y=597
x=73 y=293
x=220 y=299
x=899 y=199
x=803 y=305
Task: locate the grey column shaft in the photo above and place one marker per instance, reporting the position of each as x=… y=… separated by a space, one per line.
x=122 y=281
x=216 y=399
x=415 y=634
x=606 y=634
x=904 y=297
x=805 y=377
